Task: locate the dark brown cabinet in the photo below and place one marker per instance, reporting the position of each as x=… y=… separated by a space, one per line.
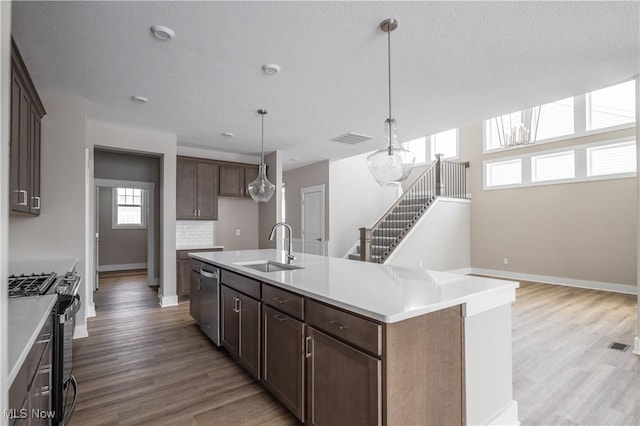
x=30 y=392
x=283 y=359
x=26 y=113
x=241 y=328
x=344 y=385
x=196 y=189
x=234 y=179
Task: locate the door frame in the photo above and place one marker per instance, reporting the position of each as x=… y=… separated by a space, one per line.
x=303 y=191
x=151 y=254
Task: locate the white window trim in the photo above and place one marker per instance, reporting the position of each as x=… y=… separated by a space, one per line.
x=114 y=211
x=580 y=158
x=579 y=125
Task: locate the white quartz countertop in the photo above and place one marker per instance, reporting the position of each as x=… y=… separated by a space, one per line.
x=27 y=315
x=198 y=247
x=382 y=292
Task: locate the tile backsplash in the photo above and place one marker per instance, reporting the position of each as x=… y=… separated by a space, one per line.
x=192 y=234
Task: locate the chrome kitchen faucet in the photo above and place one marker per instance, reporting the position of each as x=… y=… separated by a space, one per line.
x=290 y=257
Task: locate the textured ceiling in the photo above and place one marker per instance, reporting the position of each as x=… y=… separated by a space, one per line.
x=453 y=63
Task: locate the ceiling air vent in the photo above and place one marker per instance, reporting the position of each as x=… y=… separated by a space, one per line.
x=351 y=138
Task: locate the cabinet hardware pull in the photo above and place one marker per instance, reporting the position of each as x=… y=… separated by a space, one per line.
x=280 y=301
x=21 y=192
x=236 y=304
x=37 y=203
x=337 y=324
x=278 y=317
x=308 y=347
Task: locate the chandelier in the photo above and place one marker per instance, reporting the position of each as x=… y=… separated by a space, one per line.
x=518 y=128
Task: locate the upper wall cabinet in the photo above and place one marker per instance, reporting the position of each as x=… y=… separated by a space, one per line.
x=196 y=189
x=234 y=179
x=26 y=112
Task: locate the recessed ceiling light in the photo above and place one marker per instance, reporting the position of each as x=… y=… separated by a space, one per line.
x=271 y=68
x=139 y=99
x=162 y=33
x=227 y=134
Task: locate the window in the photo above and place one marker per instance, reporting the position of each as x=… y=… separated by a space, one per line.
x=419 y=148
x=612 y=159
x=445 y=143
x=556 y=166
x=556 y=119
x=605 y=108
x=500 y=173
x=129 y=208
x=611 y=106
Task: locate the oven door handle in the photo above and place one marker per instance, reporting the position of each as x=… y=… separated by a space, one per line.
x=72 y=310
x=67 y=416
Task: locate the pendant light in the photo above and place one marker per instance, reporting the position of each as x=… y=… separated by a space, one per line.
x=261 y=190
x=391 y=164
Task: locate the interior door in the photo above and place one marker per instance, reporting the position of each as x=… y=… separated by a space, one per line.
x=313 y=220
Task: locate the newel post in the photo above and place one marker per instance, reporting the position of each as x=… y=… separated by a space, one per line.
x=439 y=184
x=365 y=244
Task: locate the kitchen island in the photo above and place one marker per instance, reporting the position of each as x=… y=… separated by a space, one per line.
x=397 y=345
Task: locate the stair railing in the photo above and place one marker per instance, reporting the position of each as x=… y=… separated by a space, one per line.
x=441 y=178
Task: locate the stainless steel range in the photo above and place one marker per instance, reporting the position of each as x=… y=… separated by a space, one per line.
x=63 y=317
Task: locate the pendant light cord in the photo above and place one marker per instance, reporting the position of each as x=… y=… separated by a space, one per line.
x=262 y=145
x=389 y=64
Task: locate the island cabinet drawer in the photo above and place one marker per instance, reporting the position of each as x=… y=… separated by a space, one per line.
x=360 y=332
x=39 y=347
x=241 y=283
x=284 y=301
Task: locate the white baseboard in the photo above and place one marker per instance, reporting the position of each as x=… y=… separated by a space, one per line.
x=121 y=267
x=636 y=345
x=91 y=310
x=509 y=416
x=569 y=282
x=80 y=331
x=168 y=301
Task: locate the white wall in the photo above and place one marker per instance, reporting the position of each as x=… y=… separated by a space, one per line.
x=5 y=96
x=355 y=201
x=59 y=230
x=440 y=240
x=109 y=135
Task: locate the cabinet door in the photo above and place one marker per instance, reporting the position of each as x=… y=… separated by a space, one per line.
x=207 y=191
x=232 y=181
x=34 y=164
x=194 y=301
x=250 y=174
x=283 y=359
x=185 y=189
x=250 y=335
x=40 y=394
x=184 y=278
x=230 y=317
x=343 y=383
x=20 y=141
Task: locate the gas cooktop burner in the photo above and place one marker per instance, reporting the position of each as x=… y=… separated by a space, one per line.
x=30 y=285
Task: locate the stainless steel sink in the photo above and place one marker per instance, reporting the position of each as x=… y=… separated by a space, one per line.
x=268 y=266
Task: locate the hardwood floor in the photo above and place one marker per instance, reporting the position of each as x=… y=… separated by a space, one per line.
x=563 y=371
x=143 y=365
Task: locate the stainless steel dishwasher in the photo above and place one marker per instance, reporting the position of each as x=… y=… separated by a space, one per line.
x=210 y=302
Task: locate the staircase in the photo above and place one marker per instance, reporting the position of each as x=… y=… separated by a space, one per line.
x=441 y=179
